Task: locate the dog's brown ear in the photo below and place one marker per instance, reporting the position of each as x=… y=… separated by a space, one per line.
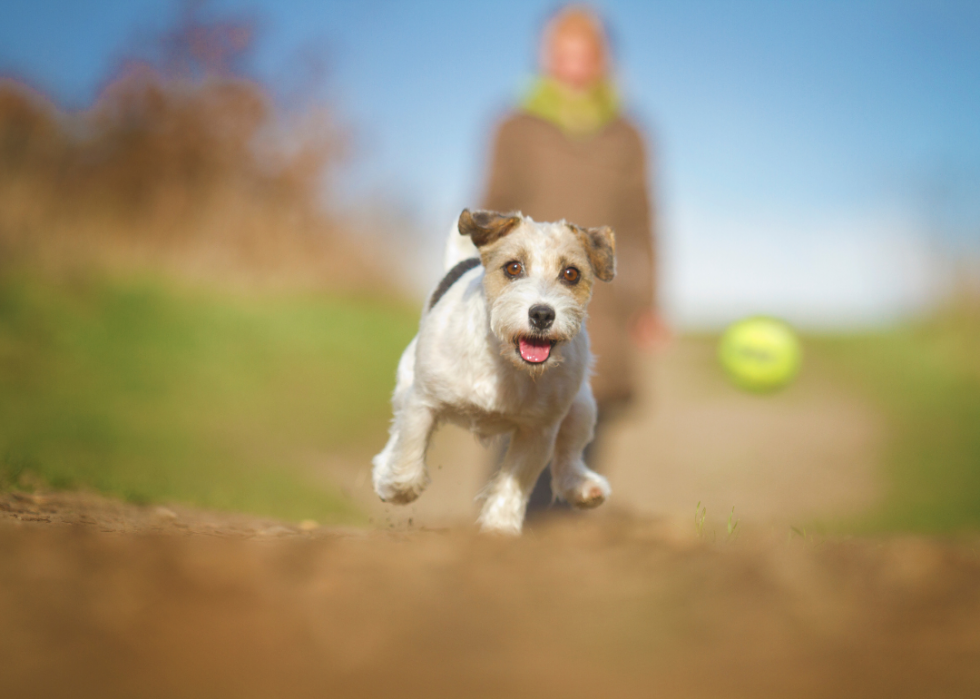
x=600 y=245
x=484 y=227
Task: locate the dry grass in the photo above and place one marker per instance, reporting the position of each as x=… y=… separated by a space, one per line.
x=195 y=173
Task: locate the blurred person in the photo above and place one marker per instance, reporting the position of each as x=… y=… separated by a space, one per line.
x=568 y=152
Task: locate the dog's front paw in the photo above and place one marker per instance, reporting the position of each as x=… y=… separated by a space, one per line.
x=503 y=511
x=584 y=491
x=399 y=494
x=400 y=491
x=498 y=518
x=400 y=486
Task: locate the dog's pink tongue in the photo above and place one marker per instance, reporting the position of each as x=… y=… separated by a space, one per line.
x=535 y=351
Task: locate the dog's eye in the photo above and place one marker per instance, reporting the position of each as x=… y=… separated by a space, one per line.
x=513 y=269
x=570 y=275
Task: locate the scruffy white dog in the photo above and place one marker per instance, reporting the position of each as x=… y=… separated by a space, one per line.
x=502 y=350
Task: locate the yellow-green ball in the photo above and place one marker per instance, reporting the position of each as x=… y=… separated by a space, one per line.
x=760 y=354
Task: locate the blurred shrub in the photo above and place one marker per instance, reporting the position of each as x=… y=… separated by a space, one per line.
x=191 y=168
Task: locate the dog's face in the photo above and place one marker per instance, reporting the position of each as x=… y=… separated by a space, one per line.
x=538 y=280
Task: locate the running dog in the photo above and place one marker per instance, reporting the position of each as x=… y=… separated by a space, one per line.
x=502 y=349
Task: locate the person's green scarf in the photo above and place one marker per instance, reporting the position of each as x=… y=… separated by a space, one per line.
x=578 y=115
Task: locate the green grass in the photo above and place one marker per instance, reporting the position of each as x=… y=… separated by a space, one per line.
x=926 y=380
x=154 y=392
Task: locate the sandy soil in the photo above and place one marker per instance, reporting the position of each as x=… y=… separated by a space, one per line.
x=109 y=600
x=99 y=598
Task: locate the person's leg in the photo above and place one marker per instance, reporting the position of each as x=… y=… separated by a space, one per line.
x=592 y=454
x=541 y=497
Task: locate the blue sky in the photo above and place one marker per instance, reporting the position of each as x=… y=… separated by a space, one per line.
x=807 y=154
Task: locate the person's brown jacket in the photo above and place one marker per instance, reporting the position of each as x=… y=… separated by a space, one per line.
x=596 y=181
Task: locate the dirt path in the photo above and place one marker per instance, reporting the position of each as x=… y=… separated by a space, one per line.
x=110 y=600
x=811 y=451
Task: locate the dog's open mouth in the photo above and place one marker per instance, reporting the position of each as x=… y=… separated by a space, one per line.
x=534 y=350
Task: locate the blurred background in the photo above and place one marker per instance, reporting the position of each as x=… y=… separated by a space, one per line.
x=218 y=223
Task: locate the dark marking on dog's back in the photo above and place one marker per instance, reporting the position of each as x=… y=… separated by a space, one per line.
x=452 y=276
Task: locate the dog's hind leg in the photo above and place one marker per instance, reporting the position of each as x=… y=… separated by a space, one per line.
x=399 y=473
x=571 y=479
x=508 y=492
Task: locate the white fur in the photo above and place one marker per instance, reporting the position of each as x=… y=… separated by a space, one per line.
x=460 y=368
x=458 y=248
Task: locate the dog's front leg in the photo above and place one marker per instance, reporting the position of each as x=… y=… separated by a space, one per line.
x=399 y=473
x=571 y=479
x=508 y=492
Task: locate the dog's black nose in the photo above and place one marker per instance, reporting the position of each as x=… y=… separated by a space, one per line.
x=541 y=316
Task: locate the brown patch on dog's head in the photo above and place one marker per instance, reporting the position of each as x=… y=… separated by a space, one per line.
x=600 y=245
x=494 y=258
x=485 y=227
x=582 y=290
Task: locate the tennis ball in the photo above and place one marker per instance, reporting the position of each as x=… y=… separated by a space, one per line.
x=760 y=354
